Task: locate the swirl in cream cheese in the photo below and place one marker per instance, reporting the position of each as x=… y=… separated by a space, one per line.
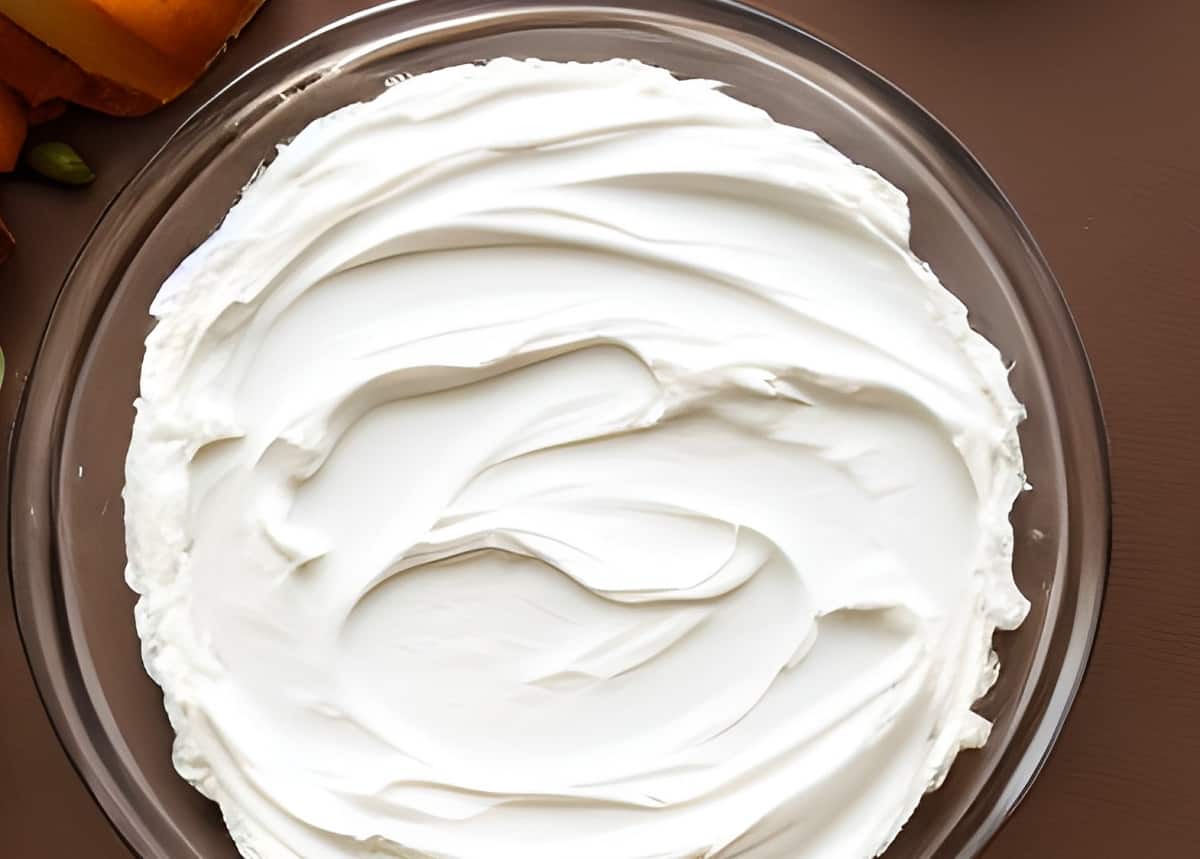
x=561 y=461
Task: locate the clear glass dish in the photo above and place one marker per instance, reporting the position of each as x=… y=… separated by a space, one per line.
x=67 y=538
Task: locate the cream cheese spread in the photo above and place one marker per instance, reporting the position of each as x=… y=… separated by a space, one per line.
x=566 y=461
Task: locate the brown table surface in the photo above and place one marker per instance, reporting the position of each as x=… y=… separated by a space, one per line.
x=1087 y=114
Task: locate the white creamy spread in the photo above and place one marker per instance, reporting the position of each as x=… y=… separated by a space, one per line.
x=565 y=461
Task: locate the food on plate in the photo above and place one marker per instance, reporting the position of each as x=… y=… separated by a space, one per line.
x=552 y=460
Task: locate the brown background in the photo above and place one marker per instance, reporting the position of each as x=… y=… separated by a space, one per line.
x=1087 y=113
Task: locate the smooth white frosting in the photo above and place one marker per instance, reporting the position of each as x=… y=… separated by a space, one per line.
x=561 y=461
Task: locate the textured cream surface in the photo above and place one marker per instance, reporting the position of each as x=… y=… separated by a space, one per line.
x=560 y=461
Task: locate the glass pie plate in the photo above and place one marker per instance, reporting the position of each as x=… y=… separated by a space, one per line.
x=67 y=538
